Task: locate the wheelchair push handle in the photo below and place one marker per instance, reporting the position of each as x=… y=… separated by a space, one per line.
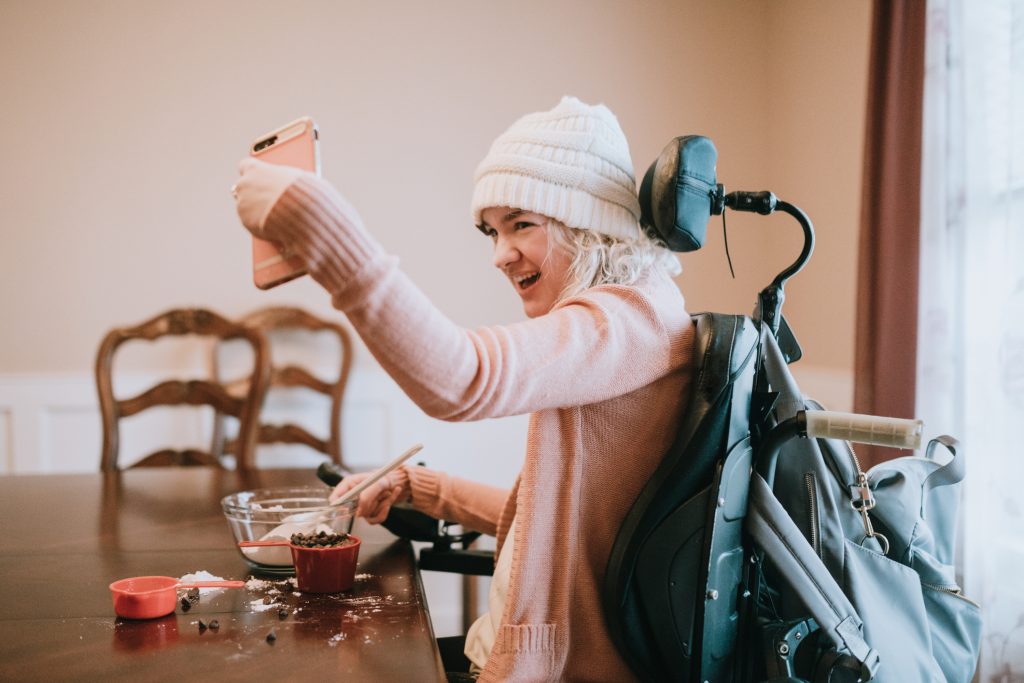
x=826 y=424
x=870 y=429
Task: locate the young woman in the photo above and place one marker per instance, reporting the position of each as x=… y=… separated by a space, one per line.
x=601 y=364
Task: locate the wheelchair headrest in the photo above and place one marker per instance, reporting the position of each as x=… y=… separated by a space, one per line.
x=679 y=193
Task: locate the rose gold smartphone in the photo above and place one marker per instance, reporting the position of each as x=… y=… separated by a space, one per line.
x=297 y=144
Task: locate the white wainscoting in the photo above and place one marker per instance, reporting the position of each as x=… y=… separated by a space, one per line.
x=51 y=424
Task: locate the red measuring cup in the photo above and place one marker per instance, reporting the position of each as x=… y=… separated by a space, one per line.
x=320 y=570
x=149 y=597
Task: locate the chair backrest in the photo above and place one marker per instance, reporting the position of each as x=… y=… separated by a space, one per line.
x=275 y=323
x=181 y=322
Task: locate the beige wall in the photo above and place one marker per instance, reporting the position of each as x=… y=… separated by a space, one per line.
x=123 y=122
x=817 y=118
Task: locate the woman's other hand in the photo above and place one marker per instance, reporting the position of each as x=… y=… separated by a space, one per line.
x=259 y=187
x=376 y=500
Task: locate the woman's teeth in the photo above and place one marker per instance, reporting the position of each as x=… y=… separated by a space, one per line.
x=524 y=281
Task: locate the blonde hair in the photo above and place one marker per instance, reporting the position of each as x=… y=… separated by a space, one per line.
x=599 y=259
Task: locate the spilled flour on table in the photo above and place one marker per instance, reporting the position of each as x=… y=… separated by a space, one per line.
x=255 y=584
x=260 y=606
x=275 y=593
x=202 y=575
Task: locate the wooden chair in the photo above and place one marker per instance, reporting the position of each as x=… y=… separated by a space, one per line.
x=276 y=323
x=180 y=322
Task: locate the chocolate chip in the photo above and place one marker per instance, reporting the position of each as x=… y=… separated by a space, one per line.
x=193 y=594
x=282 y=614
x=214 y=625
x=271 y=637
x=266 y=600
x=202 y=625
x=185 y=605
x=321 y=539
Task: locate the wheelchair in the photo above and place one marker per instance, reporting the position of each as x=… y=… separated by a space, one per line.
x=684 y=583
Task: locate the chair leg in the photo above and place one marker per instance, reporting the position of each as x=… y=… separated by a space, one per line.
x=470 y=601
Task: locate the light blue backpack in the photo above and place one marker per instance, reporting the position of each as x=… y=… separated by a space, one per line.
x=869 y=556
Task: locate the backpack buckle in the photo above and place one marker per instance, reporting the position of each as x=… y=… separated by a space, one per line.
x=862 y=499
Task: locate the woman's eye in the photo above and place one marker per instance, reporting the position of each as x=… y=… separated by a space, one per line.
x=522 y=225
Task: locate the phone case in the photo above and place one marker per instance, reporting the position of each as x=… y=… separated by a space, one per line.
x=296 y=144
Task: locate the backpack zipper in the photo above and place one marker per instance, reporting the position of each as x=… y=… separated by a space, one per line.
x=955 y=591
x=853 y=456
x=862 y=498
x=812 y=496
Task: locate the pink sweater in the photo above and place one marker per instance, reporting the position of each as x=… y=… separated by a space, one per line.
x=604 y=375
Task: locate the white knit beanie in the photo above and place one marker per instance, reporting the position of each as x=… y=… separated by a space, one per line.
x=570 y=163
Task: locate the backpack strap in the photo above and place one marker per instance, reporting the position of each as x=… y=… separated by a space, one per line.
x=775 y=533
x=952 y=472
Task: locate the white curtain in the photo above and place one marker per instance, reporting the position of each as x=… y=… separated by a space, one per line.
x=971 y=318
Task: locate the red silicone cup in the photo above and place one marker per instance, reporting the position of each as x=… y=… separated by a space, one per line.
x=320 y=570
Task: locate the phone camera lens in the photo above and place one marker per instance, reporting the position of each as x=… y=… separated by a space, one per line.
x=263 y=144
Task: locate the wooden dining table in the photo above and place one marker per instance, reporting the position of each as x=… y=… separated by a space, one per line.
x=65 y=538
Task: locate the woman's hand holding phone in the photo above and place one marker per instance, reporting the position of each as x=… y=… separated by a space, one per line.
x=259 y=187
x=291 y=147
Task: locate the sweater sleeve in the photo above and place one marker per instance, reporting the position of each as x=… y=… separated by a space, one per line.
x=474 y=505
x=603 y=343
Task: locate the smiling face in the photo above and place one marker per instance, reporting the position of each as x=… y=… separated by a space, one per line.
x=537 y=267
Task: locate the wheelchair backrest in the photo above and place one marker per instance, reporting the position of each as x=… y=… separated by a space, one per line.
x=671 y=615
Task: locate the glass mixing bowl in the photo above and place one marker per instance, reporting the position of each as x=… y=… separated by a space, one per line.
x=265 y=514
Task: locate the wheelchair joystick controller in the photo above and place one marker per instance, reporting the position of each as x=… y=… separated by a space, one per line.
x=756 y=202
